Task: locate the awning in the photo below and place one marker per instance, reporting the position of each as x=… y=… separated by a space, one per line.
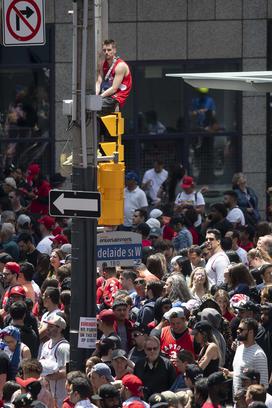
x=258 y=81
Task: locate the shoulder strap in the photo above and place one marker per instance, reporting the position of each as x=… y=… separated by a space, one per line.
x=57 y=346
x=110 y=68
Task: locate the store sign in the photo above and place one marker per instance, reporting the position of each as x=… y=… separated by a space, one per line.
x=23 y=22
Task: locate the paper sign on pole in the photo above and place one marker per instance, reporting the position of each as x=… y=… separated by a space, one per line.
x=87 y=333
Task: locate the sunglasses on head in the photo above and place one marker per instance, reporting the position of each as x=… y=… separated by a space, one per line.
x=140 y=282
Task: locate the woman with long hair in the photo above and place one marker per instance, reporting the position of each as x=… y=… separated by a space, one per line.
x=222 y=298
x=157 y=265
x=176 y=290
x=182 y=265
x=55 y=262
x=199 y=283
x=239 y=274
x=247 y=199
x=209 y=355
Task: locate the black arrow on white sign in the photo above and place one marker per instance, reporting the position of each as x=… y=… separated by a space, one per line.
x=27 y=12
x=84 y=204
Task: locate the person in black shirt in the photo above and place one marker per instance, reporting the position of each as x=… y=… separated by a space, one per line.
x=28 y=252
x=4 y=369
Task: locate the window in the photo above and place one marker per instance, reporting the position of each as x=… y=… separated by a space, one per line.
x=166 y=118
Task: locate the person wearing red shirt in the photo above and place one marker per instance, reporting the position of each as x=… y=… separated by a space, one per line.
x=176 y=336
x=114 y=80
x=40 y=188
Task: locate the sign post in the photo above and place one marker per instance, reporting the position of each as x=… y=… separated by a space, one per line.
x=23 y=22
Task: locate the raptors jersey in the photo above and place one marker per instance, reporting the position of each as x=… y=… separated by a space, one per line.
x=171 y=346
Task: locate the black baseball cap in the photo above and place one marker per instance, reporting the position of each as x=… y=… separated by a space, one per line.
x=249 y=306
x=217 y=378
x=106 y=391
x=139 y=328
x=202 y=326
x=250 y=374
x=119 y=353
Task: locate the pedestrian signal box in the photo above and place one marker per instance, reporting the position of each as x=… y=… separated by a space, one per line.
x=114 y=124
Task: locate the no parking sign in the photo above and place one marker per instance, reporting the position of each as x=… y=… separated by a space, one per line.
x=23 y=22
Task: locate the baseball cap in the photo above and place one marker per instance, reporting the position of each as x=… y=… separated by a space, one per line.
x=139 y=327
x=249 y=306
x=13 y=267
x=132 y=175
x=155 y=232
x=59 y=239
x=134 y=384
x=118 y=353
x=23 y=219
x=106 y=391
x=174 y=312
x=66 y=248
x=250 y=374
x=17 y=290
x=102 y=369
x=201 y=327
x=57 y=321
x=153 y=223
x=156 y=213
x=238 y=299
x=33 y=169
x=9 y=181
x=157 y=400
x=106 y=315
x=48 y=221
x=217 y=378
x=5 y=258
x=187 y=182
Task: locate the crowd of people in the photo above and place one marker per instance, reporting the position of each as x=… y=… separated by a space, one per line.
x=188 y=326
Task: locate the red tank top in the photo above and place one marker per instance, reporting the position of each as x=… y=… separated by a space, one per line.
x=171 y=346
x=125 y=86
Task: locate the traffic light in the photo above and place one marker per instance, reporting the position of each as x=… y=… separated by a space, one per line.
x=111 y=183
x=111 y=175
x=114 y=124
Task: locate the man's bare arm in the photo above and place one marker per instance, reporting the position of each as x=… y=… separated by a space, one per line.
x=120 y=72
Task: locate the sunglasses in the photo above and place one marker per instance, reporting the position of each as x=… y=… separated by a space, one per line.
x=140 y=282
x=152 y=348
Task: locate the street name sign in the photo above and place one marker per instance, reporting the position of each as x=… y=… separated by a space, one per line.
x=80 y=204
x=23 y=22
x=119 y=248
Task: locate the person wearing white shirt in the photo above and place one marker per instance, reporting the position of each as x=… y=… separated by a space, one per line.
x=189 y=197
x=153 y=179
x=235 y=237
x=235 y=214
x=135 y=198
x=218 y=260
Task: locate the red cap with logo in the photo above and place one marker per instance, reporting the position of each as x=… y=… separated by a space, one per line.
x=60 y=239
x=187 y=182
x=47 y=221
x=134 y=384
x=17 y=290
x=13 y=267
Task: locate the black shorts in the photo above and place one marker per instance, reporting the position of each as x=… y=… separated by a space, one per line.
x=109 y=105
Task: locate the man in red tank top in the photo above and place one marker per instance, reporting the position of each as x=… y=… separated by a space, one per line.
x=114 y=79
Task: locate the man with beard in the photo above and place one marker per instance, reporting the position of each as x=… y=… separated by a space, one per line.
x=248 y=354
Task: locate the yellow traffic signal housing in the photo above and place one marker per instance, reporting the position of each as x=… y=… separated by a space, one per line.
x=111 y=183
x=115 y=126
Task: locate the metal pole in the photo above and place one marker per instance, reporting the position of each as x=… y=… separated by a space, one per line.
x=83 y=301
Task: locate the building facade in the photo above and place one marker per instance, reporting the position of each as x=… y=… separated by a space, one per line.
x=155 y=37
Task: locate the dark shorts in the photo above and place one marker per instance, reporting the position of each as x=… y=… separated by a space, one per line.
x=109 y=105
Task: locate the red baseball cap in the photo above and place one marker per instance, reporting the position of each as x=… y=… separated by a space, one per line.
x=17 y=290
x=33 y=169
x=13 y=267
x=48 y=221
x=187 y=182
x=60 y=239
x=134 y=384
x=106 y=315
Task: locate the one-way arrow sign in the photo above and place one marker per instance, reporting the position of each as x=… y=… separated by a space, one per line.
x=67 y=203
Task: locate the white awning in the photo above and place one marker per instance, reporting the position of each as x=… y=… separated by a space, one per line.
x=258 y=81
